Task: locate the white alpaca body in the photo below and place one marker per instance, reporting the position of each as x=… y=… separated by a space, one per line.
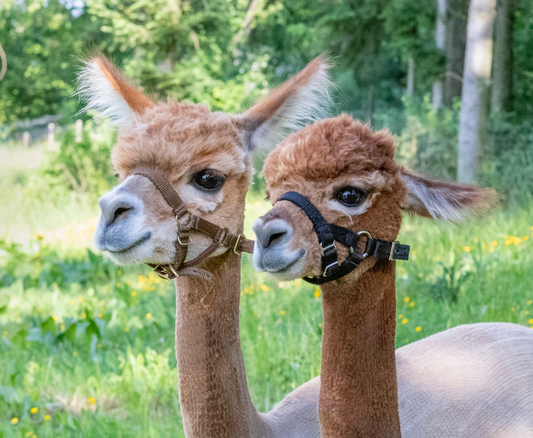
x=472 y=381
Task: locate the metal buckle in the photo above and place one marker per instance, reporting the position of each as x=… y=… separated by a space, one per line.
x=391 y=255
x=189 y=242
x=237 y=244
x=325 y=273
x=161 y=271
x=369 y=236
x=324 y=249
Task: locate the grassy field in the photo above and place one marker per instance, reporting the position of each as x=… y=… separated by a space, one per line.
x=86 y=349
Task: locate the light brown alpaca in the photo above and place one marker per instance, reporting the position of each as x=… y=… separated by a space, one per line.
x=207 y=158
x=347 y=171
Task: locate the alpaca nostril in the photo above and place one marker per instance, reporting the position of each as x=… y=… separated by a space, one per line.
x=271 y=232
x=273 y=237
x=120 y=211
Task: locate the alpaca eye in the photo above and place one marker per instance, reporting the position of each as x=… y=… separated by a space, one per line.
x=208 y=180
x=350 y=196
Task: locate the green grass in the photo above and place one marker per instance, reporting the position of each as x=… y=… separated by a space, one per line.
x=91 y=345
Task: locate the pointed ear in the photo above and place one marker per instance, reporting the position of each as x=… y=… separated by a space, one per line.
x=442 y=200
x=106 y=90
x=300 y=100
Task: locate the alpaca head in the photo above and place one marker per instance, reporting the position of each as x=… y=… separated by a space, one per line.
x=206 y=156
x=348 y=172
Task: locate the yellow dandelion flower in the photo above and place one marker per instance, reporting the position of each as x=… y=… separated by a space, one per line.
x=320 y=324
x=531 y=321
x=418 y=329
x=506 y=236
x=406 y=299
x=411 y=304
x=92 y=401
x=5 y=333
x=491 y=249
x=55 y=318
x=34 y=410
x=407 y=340
x=62 y=327
x=127 y=329
x=400 y=316
x=517 y=241
x=437 y=259
x=527 y=312
x=530 y=302
x=531 y=228
x=14 y=420
x=265 y=288
x=246 y=290
x=317 y=292
x=260 y=328
x=293 y=385
x=467 y=249
x=34 y=436
x=47 y=417
x=494 y=243
x=512 y=309
x=80 y=299
x=75 y=353
x=405 y=321
x=526 y=237
x=84 y=315
x=282 y=312
x=148 y=315
x=99 y=345
x=420 y=275
x=133 y=293
x=72 y=302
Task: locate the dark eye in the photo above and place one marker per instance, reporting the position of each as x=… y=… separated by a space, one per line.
x=351 y=196
x=209 y=180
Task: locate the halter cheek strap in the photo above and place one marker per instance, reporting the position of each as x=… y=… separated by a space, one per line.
x=329 y=233
x=221 y=236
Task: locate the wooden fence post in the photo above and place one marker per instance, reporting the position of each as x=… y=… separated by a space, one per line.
x=51 y=137
x=26 y=138
x=79 y=129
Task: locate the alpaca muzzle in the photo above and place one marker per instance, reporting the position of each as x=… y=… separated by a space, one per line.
x=221 y=236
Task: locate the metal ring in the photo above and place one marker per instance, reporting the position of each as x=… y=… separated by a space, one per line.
x=369 y=236
x=325 y=273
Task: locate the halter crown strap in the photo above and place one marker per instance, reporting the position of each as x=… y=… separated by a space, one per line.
x=221 y=236
x=329 y=233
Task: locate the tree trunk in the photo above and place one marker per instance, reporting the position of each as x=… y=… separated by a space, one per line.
x=411 y=78
x=502 y=78
x=440 y=41
x=456 y=19
x=476 y=77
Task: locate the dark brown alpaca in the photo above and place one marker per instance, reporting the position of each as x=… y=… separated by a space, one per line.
x=347 y=171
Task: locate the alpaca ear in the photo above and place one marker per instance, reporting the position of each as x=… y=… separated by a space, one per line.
x=442 y=200
x=106 y=90
x=300 y=100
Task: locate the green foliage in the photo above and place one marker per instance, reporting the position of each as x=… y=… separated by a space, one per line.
x=84 y=167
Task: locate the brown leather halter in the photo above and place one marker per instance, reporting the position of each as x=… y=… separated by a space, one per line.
x=221 y=236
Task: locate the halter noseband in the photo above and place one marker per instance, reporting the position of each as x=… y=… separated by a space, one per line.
x=329 y=233
x=221 y=236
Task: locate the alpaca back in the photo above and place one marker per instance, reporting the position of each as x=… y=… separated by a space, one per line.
x=470 y=381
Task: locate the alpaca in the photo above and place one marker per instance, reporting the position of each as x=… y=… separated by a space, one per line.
x=471 y=381
x=207 y=157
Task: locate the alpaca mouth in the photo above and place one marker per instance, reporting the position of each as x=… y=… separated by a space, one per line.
x=132 y=246
x=276 y=269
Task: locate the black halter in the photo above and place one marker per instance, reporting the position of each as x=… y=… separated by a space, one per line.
x=328 y=234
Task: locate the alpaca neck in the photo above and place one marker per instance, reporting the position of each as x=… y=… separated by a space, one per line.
x=359 y=393
x=214 y=396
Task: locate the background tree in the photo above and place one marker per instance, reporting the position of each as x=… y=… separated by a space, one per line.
x=502 y=77
x=476 y=77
